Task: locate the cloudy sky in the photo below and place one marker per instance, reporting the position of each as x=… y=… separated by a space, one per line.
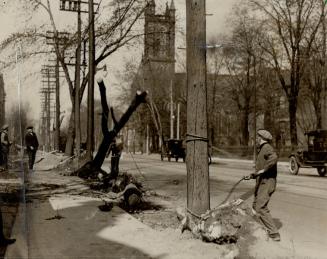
x=11 y=20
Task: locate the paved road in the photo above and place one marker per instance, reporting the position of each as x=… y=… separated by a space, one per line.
x=299 y=204
x=299 y=207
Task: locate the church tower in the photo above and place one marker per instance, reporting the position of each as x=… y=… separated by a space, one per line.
x=159 y=42
x=158 y=63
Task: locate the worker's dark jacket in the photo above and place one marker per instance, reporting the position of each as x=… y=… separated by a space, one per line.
x=4 y=140
x=31 y=141
x=267 y=160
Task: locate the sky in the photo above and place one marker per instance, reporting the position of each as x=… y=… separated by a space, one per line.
x=12 y=21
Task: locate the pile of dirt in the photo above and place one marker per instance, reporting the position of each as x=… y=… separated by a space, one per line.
x=226 y=224
x=124 y=190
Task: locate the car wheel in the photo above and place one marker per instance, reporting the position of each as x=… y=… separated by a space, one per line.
x=322 y=170
x=293 y=166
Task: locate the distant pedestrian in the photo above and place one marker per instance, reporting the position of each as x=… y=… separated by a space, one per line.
x=32 y=145
x=265 y=175
x=5 y=145
x=116 y=149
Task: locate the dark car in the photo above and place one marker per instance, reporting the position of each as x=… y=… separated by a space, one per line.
x=173 y=148
x=315 y=156
x=176 y=148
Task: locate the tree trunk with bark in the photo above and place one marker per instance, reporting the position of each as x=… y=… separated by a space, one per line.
x=318 y=110
x=244 y=127
x=292 y=107
x=109 y=136
x=69 y=149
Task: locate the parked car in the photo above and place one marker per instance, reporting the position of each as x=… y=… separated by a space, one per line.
x=173 y=148
x=176 y=148
x=315 y=156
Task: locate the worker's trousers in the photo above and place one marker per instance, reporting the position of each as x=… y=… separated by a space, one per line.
x=4 y=156
x=31 y=158
x=263 y=191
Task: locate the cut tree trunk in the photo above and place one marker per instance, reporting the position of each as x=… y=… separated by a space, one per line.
x=109 y=136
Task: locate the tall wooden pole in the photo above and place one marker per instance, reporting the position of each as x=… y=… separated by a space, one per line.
x=171 y=111
x=48 y=101
x=198 y=198
x=57 y=132
x=255 y=126
x=90 y=97
x=178 y=120
x=77 y=83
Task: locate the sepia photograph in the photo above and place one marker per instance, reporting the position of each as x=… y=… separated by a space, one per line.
x=163 y=129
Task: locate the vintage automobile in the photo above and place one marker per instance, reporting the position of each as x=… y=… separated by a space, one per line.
x=315 y=155
x=176 y=148
x=173 y=148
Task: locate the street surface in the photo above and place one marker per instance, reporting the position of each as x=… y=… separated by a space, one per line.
x=61 y=219
x=299 y=204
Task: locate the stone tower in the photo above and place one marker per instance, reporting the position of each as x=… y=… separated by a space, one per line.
x=159 y=46
x=158 y=61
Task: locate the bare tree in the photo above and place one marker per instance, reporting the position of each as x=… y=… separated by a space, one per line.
x=291 y=27
x=112 y=33
x=315 y=78
x=215 y=61
x=242 y=60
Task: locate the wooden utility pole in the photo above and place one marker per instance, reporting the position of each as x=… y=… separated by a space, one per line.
x=171 y=111
x=57 y=40
x=198 y=198
x=178 y=120
x=90 y=96
x=255 y=126
x=76 y=6
x=57 y=132
x=77 y=83
x=47 y=91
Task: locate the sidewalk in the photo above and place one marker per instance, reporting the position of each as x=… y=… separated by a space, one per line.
x=70 y=225
x=61 y=219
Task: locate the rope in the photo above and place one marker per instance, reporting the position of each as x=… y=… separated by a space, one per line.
x=193 y=213
x=137 y=167
x=191 y=137
x=230 y=193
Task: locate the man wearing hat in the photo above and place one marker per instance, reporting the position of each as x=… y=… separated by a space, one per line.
x=265 y=175
x=32 y=145
x=5 y=144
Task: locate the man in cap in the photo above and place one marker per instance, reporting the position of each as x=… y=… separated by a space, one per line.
x=265 y=175
x=32 y=145
x=5 y=145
